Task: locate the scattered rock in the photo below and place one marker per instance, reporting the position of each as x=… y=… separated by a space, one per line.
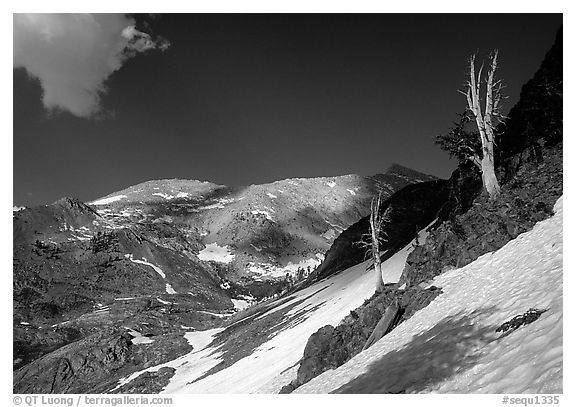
x=519 y=320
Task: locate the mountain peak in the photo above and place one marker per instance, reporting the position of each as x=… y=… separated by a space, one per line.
x=403 y=171
x=74 y=206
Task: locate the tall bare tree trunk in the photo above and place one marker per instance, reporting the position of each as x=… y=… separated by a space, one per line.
x=377 y=266
x=489 y=176
x=376 y=220
x=484 y=121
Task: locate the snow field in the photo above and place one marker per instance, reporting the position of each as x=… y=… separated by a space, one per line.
x=268 y=368
x=451 y=346
x=213 y=252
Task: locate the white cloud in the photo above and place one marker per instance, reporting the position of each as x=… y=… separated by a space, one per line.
x=73 y=54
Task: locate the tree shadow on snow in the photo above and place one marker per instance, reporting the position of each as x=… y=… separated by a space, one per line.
x=451 y=347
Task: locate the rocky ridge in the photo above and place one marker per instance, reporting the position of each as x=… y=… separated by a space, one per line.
x=162 y=258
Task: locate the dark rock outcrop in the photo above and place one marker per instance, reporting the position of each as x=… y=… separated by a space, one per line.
x=96 y=363
x=536 y=120
x=413 y=208
x=74 y=368
x=528 y=198
x=330 y=347
x=148 y=382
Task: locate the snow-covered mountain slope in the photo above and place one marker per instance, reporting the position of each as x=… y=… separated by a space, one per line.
x=452 y=345
x=260 y=231
x=273 y=363
x=171 y=253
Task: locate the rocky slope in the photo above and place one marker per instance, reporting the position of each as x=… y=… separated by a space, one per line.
x=536 y=120
x=457 y=345
x=411 y=209
x=258 y=231
x=163 y=257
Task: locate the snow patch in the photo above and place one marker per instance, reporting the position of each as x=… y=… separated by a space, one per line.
x=352 y=192
x=331 y=184
x=163 y=195
x=169 y=289
x=216 y=314
x=240 y=305
x=200 y=339
x=143 y=261
x=106 y=201
x=220 y=204
x=81 y=238
x=213 y=252
x=271 y=196
x=138 y=338
x=559 y=205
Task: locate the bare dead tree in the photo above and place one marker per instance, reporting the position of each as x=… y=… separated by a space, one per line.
x=371 y=241
x=486 y=120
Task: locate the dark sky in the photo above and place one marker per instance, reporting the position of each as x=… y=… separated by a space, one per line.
x=243 y=99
